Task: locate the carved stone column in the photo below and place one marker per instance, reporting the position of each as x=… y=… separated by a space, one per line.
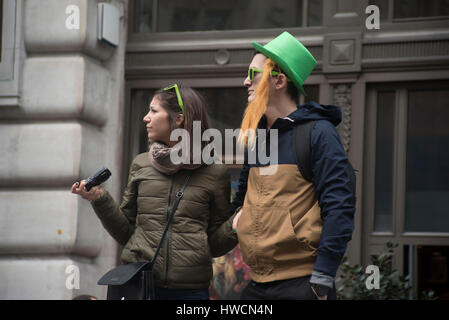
x=342 y=97
x=342 y=65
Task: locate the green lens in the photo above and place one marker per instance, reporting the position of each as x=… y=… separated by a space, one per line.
x=252 y=71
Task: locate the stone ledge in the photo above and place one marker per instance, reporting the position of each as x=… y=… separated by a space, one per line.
x=45 y=278
x=48 y=222
x=67 y=87
x=48 y=154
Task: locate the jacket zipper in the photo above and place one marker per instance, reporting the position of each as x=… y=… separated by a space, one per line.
x=168 y=232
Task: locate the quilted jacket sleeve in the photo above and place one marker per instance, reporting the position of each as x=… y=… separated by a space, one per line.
x=119 y=221
x=221 y=237
x=239 y=199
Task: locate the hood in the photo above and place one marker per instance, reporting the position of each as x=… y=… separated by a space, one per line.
x=314 y=111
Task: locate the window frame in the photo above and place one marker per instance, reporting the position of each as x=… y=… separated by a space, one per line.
x=401 y=90
x=12 y=52
x=374 y=241
x=203 y=40
x=392 y=19
x=132 y=34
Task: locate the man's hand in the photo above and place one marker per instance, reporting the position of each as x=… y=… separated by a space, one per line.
x=235 y=222
x=320 y=291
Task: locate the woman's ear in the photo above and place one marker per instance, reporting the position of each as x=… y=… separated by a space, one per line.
x=179 y=120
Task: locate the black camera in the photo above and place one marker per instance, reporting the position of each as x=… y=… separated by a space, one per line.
x=97 y=178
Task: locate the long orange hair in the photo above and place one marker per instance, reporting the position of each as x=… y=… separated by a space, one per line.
x=256 y=108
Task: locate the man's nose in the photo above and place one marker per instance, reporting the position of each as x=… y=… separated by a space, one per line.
x=246 y=82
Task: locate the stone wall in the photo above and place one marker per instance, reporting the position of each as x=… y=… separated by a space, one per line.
x=67 y=124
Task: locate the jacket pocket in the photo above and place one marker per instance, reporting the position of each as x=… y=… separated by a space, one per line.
x=287 y=246
x=252 y=236
x=268 y=238
x=308 y=228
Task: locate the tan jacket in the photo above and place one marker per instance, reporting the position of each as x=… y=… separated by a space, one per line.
x=280 y=227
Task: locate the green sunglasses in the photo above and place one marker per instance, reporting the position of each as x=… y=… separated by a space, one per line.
x=178 y=95
x=252 y=71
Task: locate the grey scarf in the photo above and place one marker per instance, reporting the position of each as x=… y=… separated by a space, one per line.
x=159 y=156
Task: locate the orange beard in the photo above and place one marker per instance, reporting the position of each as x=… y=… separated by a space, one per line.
x=256 y=108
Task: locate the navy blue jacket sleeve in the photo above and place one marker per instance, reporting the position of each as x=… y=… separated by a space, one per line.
x=242 y=186
x=336 y=198
x=241 y=192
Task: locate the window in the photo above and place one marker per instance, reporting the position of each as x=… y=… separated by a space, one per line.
x=406 y=189
x=225 y=106
x=1 y=28
x=412 y=160
x=202 y=15
x=427 y=161
x=383 y=207
x=428 y=267
x=420 y=8
x=11 y=53
x=401 y=10
x=138 y=141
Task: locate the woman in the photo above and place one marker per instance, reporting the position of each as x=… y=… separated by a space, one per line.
x=201 y=227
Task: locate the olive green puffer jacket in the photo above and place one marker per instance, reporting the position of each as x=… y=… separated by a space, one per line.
x=201 y=227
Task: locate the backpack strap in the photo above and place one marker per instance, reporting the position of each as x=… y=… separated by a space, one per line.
x=302 y=149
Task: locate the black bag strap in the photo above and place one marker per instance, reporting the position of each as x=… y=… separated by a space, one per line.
x=179 y=195
x=147 y=273
x=302 y=148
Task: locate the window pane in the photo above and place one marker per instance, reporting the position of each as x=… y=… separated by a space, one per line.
x=420 y=8
x=1 y=28
x=143 y=15
x=427 y=184
x=383 y=207
x=138 y=133
x=315 y=13
x=433 y=266
x=225 y=110
x=383 y=8
x=200 y=15
x=225 y=106
x=313 y=93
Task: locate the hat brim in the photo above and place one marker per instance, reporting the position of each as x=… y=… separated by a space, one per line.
x=282 y=64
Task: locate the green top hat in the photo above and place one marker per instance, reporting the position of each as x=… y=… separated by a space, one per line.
x=292 y=57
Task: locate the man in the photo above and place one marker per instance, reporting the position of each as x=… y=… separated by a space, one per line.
x=292 y=232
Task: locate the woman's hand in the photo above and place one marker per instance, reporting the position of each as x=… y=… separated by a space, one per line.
x=80 y=188
x=235 y=222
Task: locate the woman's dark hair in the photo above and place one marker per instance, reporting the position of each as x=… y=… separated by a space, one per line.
x=292 y=90
x=195 y=109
